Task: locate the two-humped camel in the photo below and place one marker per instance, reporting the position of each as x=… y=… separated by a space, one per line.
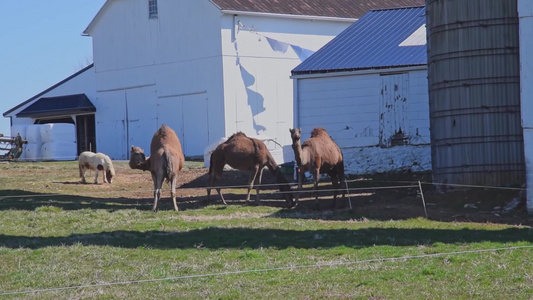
x=318 y=155
x=245 y=153
x=165 y=161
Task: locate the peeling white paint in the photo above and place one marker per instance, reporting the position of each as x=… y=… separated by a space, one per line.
x=362 y=112
x=369 y=160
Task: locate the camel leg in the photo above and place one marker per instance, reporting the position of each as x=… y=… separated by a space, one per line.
x=251 y=182
x=300 y=179
x=336 y=187
x=173 y=183
x=158 y=182
x=221 y=196
x=212 y=181
x=257 y=186
x=316 y=177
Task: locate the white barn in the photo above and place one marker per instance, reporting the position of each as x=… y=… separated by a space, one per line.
x=368 y=88
x=207 y=68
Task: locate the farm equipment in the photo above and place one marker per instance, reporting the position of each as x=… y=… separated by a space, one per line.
x=13 y=146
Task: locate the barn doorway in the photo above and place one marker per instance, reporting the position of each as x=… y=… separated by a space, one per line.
x=85 y=133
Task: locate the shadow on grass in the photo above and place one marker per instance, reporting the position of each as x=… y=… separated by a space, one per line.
x=30 y=201
x=248 y=238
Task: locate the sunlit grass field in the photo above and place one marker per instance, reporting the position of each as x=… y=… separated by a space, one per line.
x=63 y=240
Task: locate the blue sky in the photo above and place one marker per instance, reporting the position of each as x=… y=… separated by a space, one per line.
x=40 y=45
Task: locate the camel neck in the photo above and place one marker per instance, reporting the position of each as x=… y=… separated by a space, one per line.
x=146 y=164
x=297 y=152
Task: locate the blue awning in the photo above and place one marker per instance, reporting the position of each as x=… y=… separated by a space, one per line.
x=58 y=106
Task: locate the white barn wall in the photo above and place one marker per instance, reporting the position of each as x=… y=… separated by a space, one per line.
x=258 y=90
x=525 y=13
x=191 y=66
x=114 y=36
x=348 y=107
x=164 y=69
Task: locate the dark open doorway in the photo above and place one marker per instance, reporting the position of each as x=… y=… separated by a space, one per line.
x=86 y=133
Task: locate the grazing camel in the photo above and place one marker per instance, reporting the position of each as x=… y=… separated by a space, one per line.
x=97 y=162
x=165 y=162
x=246 y=153
x=318 y=155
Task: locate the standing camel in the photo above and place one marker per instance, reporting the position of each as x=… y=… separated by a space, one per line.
x=318 y=155
x=165 y=162
x=246 y=153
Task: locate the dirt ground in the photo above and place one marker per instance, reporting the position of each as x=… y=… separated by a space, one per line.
x=382 y=196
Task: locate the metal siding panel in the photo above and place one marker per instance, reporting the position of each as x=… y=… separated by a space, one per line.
x=350 y=118
x=169 y=112
x=195 y=125
x=110 y=124
x=474 y=92
x=141 y=116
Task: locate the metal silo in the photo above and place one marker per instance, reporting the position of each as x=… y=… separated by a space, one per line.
x=474 y=92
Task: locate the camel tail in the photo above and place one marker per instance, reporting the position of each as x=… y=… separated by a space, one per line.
x=341 y=168
x=167 y=167
x=216 y=164
x=211 y=165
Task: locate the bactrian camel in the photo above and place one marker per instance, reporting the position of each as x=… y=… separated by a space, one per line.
x=245 y=153
x=318 y=155
x=165 y=161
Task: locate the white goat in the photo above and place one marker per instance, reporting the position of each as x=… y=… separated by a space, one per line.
x=97 y=162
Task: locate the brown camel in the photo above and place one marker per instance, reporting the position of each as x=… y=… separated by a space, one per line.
x=246 y=153
x=318 y=155
x=165 y=162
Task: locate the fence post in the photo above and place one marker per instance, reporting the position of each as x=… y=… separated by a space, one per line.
x=423 y=200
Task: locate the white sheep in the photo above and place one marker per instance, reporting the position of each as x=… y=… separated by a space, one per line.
x=97 y=162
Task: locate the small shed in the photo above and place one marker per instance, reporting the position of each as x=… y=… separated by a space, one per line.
x=368 y=88
x=70 y=101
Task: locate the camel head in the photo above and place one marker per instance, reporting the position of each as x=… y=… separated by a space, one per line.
x=137 y=157
x=296 y=134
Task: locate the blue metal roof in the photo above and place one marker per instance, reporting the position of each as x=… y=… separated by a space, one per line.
x=371 y=42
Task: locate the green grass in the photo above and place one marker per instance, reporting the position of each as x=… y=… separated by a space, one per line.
x=48 y=244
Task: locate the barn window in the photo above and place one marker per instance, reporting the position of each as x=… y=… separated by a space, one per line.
x=152 y=9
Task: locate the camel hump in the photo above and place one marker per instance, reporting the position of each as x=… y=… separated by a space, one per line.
x=318 y=131
x=164 y=130
x=237 y=135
